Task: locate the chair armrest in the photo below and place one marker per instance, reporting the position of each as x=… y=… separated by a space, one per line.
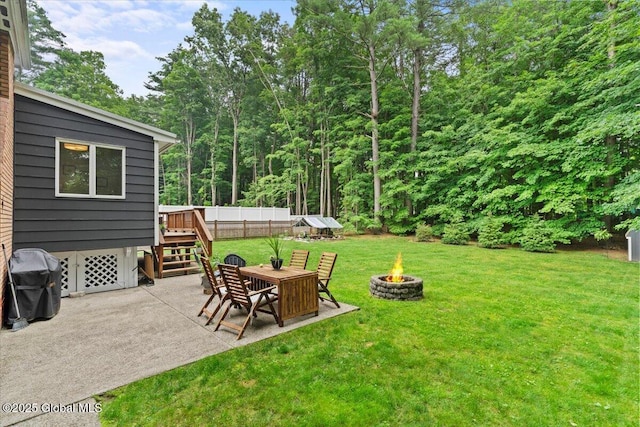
x=263 y=290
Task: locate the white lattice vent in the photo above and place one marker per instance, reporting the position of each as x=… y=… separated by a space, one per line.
x=64 y=262
x=97 y=271
x=100 y=271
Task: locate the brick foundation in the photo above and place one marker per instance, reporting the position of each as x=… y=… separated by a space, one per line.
x=6 y=155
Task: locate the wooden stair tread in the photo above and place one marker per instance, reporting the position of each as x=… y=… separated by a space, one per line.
x=173 y=248
x=184 y=238
x=179 y=240
x=182 y=262
x=181 y=270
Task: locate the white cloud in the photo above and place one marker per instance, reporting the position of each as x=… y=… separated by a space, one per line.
x=121 y=4
x=186 y=27
x=77 y=18
x=117 y=50
x=129 y=77
x=190 y=6
x=86 y=18
x=132 y=33
x=144 y=20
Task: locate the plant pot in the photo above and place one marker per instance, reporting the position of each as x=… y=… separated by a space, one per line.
x=276 y=263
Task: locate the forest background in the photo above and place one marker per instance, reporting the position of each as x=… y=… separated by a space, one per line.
x=389 y=114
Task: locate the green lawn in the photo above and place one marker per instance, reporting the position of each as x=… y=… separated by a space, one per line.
x=501 y=338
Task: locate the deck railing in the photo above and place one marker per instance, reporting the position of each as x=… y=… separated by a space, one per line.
x=191 y=220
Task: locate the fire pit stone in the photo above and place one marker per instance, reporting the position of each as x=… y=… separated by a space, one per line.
x=409 y=289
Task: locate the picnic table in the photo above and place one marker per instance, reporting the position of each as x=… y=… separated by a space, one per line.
x=297 y=288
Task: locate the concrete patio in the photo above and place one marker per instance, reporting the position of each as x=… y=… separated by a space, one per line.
x=50 y=370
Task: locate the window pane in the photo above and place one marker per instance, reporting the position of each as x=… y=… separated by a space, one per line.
x=108 y=172
x=74 y=169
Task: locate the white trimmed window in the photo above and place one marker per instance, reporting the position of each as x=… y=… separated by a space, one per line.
x=86 y=169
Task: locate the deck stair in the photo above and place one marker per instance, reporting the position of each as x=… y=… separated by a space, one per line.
x=185 y=235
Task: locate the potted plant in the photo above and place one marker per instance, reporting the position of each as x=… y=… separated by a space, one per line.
x=276 y=245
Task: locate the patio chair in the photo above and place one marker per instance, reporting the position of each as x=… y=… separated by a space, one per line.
x=238 y=293
x=325 y=268
x=299 y=258
x=217 y=290
x=233 y=259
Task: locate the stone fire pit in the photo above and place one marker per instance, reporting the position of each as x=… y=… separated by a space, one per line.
x=410 y=289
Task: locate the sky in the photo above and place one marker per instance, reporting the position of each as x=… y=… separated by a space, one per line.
x=131 y=34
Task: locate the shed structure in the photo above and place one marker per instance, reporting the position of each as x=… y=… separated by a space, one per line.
x=633 y=242
x=316 y=225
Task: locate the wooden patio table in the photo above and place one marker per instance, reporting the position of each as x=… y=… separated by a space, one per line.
x=297 y=289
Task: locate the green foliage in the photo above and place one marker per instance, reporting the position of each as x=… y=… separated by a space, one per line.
x=348 y=229
x=438 y=229
x=455 y=233
x=359 y=224
x=277 y=246
x=537 y=237
x=44 y=40
x=374 y=227
x=601 y=235
x=424 y=233
x=400 y=229
x=534 y=113
x=490 y=234
x=626 y=202
x=81 y=76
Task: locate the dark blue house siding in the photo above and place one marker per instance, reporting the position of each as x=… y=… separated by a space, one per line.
x=59 y=224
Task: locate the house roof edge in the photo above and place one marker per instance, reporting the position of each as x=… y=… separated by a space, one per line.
x=16 y=24
x=162 y=137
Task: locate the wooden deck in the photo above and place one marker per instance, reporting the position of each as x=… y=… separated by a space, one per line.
x=185 y=236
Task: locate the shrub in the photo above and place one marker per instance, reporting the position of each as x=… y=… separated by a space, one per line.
x=399 y=229
x=354 y=224
x=455 y=234
x=537 y=237
x=490 y=234
x=374 y=229
x=350 y=229
x=438 y=230
x=424 y=233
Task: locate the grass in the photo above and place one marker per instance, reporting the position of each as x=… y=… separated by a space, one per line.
x=501 y=338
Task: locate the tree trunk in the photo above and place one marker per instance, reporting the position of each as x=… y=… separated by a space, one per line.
x=305 y=189
x=213 y=149
x=610 y=140
x=190 y=136
x=328 y=178
x=322 y=179
x=415 y=111
x=375 y=154
x=234 y=160
x=322 y=169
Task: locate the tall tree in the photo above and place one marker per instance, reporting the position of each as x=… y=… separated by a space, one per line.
x=226 y=44
x=82 y=76
x=367 y=26
x=185 y=98
x=46 y=42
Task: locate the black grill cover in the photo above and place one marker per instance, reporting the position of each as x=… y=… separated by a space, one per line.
x=37 y=276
